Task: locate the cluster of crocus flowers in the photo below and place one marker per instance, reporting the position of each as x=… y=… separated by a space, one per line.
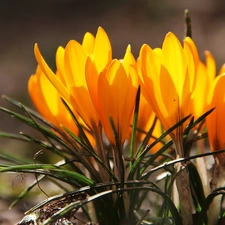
x=95 y=86
x=102 y=90
x=102 y=93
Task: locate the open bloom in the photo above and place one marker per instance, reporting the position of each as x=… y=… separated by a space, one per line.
x=113 y=91
x=47 y=101
x=168 y=77
x=71 y=62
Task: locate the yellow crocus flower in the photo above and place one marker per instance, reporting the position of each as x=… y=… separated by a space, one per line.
x=71 y=62
x=114 y=91
x=168 y=77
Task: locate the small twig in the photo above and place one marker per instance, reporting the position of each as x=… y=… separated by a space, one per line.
x=142 y=218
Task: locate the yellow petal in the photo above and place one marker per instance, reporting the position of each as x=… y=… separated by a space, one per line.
x=200 y=91
x=88 y=43
x=102 y=50
x=192 y=60
x=174 y=60
x=51 y=76
x=60 y=65
x=210 y=65
x=190 y=43
x=222 y=69
x=128 y=59
x=75 y=60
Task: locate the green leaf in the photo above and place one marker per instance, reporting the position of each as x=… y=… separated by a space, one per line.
x=134 y=126
x=146 y=150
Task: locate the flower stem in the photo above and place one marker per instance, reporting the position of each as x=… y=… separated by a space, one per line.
x=101 y=153
x=182 y=182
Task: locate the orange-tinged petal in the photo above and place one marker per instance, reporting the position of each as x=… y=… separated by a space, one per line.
x=216 y=120
x=47 y=101
x=185 y=99
x=145 y=119
x=170 y=98
x=81 y=101
x=114 y=87
x=51 y=76
x=92 y=75
x=150 y=73
x=39 y=88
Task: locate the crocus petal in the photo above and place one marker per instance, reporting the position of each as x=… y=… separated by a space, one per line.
x=51 y=76
x=39 y=88
x=48 y=102
x=92 y=75
x=174 y=60
x=88 y=43
x=215 y=121
x=210 y=65
x=128 y=59
x=80 y=96
x=102 y=50
x=222 y=69
x=60 y=65
x=75 y=60
x=201 y=87
x=114 y=86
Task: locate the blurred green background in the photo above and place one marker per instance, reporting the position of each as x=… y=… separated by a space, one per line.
x=51 y=23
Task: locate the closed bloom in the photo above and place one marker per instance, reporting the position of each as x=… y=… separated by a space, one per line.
x=114 y=92
x=168 y=77
x=71 y=62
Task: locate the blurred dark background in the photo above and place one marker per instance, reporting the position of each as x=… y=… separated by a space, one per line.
x=51 y=23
